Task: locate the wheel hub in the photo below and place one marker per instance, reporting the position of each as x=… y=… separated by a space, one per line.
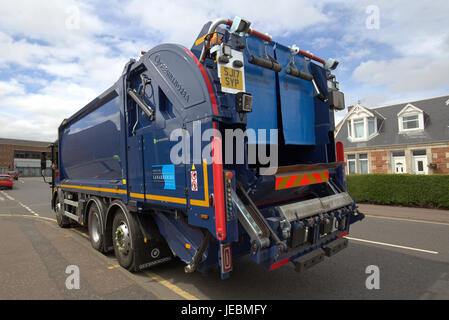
x=122 y=238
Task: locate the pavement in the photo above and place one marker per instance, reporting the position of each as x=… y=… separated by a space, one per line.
x=435 y=215
x=409 y=246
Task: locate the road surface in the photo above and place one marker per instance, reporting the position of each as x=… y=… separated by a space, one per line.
x=410 y=248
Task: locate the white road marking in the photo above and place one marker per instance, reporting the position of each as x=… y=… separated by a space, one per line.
x=31 y=211
x=2 y=199
x=408 y=220
x=7 y=195
x=21 y=181
x=392 y=245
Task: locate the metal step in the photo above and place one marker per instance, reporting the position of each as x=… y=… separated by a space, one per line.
x=71 y=216
x=71 y=203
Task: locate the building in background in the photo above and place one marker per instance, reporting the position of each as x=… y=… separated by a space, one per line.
x=23 y=156
x=410 y=137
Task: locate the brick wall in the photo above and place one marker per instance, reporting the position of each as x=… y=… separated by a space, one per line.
x=379 y=162
x=441 y=155
x=7 y=153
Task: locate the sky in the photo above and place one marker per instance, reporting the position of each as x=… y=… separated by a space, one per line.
x=57 y=55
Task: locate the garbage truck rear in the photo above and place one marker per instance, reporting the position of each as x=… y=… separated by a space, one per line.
x=208 y=154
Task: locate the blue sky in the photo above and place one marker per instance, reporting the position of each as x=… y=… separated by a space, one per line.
x=57 y=55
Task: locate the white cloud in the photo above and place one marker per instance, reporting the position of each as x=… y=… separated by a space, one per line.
x=402 y=75
x=10 y=88
x=181 y=22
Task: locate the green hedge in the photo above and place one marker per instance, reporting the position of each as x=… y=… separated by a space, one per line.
x=430 y=191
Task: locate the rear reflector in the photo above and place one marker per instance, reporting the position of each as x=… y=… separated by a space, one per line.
x=226 y=258
x=341 y=235
x=217 y=169
x=340 y=151
x=279 y=264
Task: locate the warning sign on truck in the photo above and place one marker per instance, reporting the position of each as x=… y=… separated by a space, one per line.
x=194 y=180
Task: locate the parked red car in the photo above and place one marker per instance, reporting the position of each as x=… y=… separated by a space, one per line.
x=13 y=174
x=6 y=181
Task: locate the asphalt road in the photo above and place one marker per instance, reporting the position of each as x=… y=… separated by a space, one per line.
x=412 y=255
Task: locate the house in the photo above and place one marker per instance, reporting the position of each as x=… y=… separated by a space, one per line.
x=410 y=137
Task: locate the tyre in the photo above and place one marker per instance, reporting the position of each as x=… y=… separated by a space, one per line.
x=122 y=240
x=95 y=228
x=62 y=220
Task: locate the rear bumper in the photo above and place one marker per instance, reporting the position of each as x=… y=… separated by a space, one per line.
x=314 y=254
x=319 y=241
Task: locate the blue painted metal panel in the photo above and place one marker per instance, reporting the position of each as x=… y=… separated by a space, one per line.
x=296 y=97
x=261 y=84
x=90 y=147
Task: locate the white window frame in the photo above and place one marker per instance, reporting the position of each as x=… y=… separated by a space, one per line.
x=366 y=136
x=357 y=161
x=410 y=111
x=360 y=160
x=352 y=160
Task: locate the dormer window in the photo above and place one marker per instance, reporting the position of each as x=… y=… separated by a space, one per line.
x=362 y=128
x=363 y=124
x=410 y=122
x=410 y=119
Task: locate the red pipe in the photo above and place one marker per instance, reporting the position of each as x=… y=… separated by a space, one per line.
x=311 y=56
x=269 y=39
x=255 y=33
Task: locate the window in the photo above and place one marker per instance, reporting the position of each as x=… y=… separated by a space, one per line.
x=358 y=163
x=363 y=163
x=351 y=163
x=410 y=118
x=371 y=128
x=362 y=128
x=410 y=122
x=359 y=127
x=419 y=152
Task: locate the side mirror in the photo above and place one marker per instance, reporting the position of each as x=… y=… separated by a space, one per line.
x=43 y=160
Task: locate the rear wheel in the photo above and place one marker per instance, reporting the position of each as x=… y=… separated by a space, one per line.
x=62 y=220
x=95 y=228
x=122 y=240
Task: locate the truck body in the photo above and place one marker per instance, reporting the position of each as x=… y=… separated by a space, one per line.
x=209 y=154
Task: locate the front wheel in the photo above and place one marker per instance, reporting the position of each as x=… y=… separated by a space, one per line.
x=62 y=220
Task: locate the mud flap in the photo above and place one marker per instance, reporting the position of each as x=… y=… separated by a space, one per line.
x=308 y=260
x=335 y=247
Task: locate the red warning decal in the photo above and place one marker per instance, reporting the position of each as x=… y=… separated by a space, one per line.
x=194 y=180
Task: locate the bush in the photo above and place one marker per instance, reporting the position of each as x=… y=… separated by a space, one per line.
x=430 y=191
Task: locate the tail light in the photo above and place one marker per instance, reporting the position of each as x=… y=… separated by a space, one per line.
x=340 y=151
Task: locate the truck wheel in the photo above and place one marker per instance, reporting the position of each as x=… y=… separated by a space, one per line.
x=62 y=220
x=94 y=228
x=122 y=240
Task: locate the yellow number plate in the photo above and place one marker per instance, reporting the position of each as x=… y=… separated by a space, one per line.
x=231 y=78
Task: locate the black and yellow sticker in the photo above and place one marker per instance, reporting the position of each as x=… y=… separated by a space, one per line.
x=231 y=78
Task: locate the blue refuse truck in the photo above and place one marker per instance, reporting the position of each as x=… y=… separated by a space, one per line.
x=210 y=153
